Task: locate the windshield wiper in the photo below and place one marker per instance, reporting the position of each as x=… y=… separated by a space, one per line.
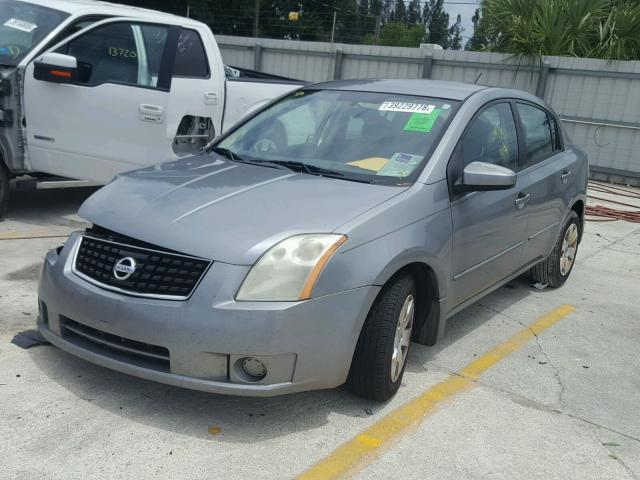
x=225 y=152
x=304 y=167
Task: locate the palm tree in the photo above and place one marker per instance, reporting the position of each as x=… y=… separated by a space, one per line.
x=586 y=28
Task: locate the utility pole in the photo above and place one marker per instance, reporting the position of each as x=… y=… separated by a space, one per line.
x=333 y=30
x=256 y=19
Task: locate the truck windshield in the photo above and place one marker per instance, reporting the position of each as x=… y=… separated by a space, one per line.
x=362 y=136
x=22 y=27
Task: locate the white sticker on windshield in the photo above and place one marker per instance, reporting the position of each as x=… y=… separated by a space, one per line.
x=20 y=25
x=406 y=107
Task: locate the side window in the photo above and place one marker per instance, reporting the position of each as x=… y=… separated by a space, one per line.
x=119 y=53
x=491 y=138
x=539 y=143
x=191 y=59
x=72 y=29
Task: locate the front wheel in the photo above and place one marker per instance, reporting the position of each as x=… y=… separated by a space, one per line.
x=4 y=188
x=381 y=353
x=555 y=270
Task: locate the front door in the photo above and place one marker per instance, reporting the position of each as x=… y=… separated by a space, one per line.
x=488 y=227
x=113 y=118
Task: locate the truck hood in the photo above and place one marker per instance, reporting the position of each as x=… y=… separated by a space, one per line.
x=226 y=211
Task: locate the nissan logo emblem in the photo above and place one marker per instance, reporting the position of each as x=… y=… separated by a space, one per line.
x=124 y=268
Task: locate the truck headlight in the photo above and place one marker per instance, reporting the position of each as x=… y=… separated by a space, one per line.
x=288 y=271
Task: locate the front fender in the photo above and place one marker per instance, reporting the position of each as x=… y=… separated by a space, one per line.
x=427 y=241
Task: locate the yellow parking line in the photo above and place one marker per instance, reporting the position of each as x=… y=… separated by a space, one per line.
x=362 y=450
x=31 y=234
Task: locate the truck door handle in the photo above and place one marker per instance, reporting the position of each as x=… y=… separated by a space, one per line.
x=522 y=200
x=565 y=176
x=210 y=98
x=150 y=113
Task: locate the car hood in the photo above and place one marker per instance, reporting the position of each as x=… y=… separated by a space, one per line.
x=226 y=211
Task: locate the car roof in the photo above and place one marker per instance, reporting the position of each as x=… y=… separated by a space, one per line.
x=416 y=87
x=95 y=7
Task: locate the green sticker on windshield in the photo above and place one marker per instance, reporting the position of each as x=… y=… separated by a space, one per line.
x=422 y=122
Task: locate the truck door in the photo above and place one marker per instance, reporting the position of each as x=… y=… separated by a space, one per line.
x=109 y=114
x=197 y=91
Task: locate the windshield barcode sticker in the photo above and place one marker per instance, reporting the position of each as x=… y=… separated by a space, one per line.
x=406 y=107
x=20 y=25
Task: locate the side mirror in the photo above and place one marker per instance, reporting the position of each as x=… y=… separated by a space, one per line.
x=481 y=176
x=56 y=67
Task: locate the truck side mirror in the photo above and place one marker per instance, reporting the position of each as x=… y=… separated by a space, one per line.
x=56 y=67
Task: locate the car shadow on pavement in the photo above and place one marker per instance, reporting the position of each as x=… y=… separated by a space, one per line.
x=240 y=419
x=42 y=208
x=471 y=318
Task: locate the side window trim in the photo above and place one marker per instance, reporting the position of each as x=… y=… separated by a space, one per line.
x=553 y=122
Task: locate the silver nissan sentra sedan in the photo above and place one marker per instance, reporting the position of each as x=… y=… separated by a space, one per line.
x=314 y=241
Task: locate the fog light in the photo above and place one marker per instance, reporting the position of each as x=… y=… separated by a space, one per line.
x=254 y=368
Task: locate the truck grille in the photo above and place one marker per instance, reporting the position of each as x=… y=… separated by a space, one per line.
x=113 y=346
x=141 y=271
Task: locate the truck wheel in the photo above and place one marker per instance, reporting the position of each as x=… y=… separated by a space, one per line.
x=555 y=270
x=4 y=188
x=381 y=353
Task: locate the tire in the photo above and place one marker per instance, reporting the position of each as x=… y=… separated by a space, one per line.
x=375 y=373
x=552 y=271
x=4 y=188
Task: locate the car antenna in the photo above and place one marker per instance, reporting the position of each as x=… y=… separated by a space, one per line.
x=478 y=77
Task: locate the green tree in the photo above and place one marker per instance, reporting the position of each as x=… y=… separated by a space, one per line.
x=455 y=34
x=439 y=24
x=400 y=12
x=586 y=28
x=478 y=40
x=398 y=34
x=414 y=15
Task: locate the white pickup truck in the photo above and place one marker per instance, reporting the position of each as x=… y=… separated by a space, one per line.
x=91 y=89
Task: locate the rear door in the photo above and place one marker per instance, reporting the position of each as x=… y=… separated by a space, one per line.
x=550 y=175
x=247 y=95
x=488 y=227
x=196 y=102
x=113 y=118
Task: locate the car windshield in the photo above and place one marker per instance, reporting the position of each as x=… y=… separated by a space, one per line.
x=22 y=27
x=374 y=137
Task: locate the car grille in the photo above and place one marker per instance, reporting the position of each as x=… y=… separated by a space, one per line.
x=113 y=346
x=157 y=273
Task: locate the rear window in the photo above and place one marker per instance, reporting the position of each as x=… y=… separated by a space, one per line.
x=191 y=59
x=382 y=137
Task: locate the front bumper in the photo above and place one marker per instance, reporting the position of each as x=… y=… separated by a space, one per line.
x=304 y=345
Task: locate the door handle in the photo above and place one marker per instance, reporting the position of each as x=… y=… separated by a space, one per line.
x=211 y=98
x=565 y=176
x=522 y=200
x=150 y=113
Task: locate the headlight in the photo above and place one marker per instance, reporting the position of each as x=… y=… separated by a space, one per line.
x=288 y=271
